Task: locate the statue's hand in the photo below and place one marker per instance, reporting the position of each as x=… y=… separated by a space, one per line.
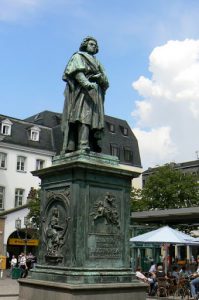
x=95 y=78
x=93 y=85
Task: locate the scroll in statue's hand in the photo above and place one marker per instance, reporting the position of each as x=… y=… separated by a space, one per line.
x=95 y=78
x=93 y=85
x=96 y=75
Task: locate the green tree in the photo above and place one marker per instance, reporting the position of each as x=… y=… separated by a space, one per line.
x=137 y=203
x=168 y=188
x=34 y=207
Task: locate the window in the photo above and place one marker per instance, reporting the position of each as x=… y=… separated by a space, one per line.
x=3 y=160
x=19 y=194
x=114 y=150
x=111 y=127
x=34 y=133
x=21 y=163
x=124 y=130
x=128 y=155
x=6 y=127
x=40 y=164
x=2 y=196
x=34 y=136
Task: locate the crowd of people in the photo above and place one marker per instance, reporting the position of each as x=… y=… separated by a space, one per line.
x=177 y=274
x=23 y=262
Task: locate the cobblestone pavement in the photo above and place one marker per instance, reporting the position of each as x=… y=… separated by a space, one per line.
x=9 y=288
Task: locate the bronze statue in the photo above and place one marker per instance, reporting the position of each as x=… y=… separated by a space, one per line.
x=83 y=113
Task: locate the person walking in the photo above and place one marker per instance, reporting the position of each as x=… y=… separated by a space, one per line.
x=23 y=265
x=13 y=264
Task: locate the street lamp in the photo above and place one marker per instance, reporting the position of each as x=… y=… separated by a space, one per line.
x=27 y=225
x=18 y=223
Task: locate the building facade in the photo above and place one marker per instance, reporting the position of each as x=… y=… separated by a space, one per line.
x=28 y=145
x=24 y=147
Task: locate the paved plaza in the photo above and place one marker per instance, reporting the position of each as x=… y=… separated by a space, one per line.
x=9 y=289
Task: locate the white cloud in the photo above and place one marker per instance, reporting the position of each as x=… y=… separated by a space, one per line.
x=155 y=145
x=168 y=116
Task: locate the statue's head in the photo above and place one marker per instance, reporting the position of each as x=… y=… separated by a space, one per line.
x=55 y=212
x=84 y=44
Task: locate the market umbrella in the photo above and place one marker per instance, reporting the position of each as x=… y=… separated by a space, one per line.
x=165 y=235
x=196 y=239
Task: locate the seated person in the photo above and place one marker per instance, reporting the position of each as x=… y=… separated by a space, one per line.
x=184 y=273
x=160 y=272
x=152 y=282
x=152 y=267
x=140 y=275
x=175 y=273
x=195 y=282
x=148 y=280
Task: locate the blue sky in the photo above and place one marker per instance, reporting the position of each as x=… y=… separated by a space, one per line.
x=37 y=37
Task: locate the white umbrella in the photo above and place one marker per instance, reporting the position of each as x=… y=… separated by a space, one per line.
x=164 y=235
x=196 y=239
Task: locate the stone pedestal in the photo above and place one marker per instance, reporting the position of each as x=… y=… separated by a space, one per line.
x=84 y=249
x=37 y=289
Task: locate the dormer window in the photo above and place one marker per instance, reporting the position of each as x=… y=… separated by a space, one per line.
x=111 y=127
x=6 y=126
x=34 y=133
x=124 y=130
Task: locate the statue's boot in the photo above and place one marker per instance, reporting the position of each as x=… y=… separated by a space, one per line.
x=83 y=137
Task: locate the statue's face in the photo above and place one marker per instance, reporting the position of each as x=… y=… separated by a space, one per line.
x=91 y=47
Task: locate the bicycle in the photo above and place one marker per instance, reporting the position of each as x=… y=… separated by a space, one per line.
x=183 y=289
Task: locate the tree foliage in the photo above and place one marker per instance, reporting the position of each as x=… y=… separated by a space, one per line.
x=137 y=203
x=167 y=188
x=34 y=207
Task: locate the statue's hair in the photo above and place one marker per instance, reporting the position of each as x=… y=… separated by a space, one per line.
x=85 y=41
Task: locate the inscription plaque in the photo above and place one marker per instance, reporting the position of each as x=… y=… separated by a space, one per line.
x=104 y=246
